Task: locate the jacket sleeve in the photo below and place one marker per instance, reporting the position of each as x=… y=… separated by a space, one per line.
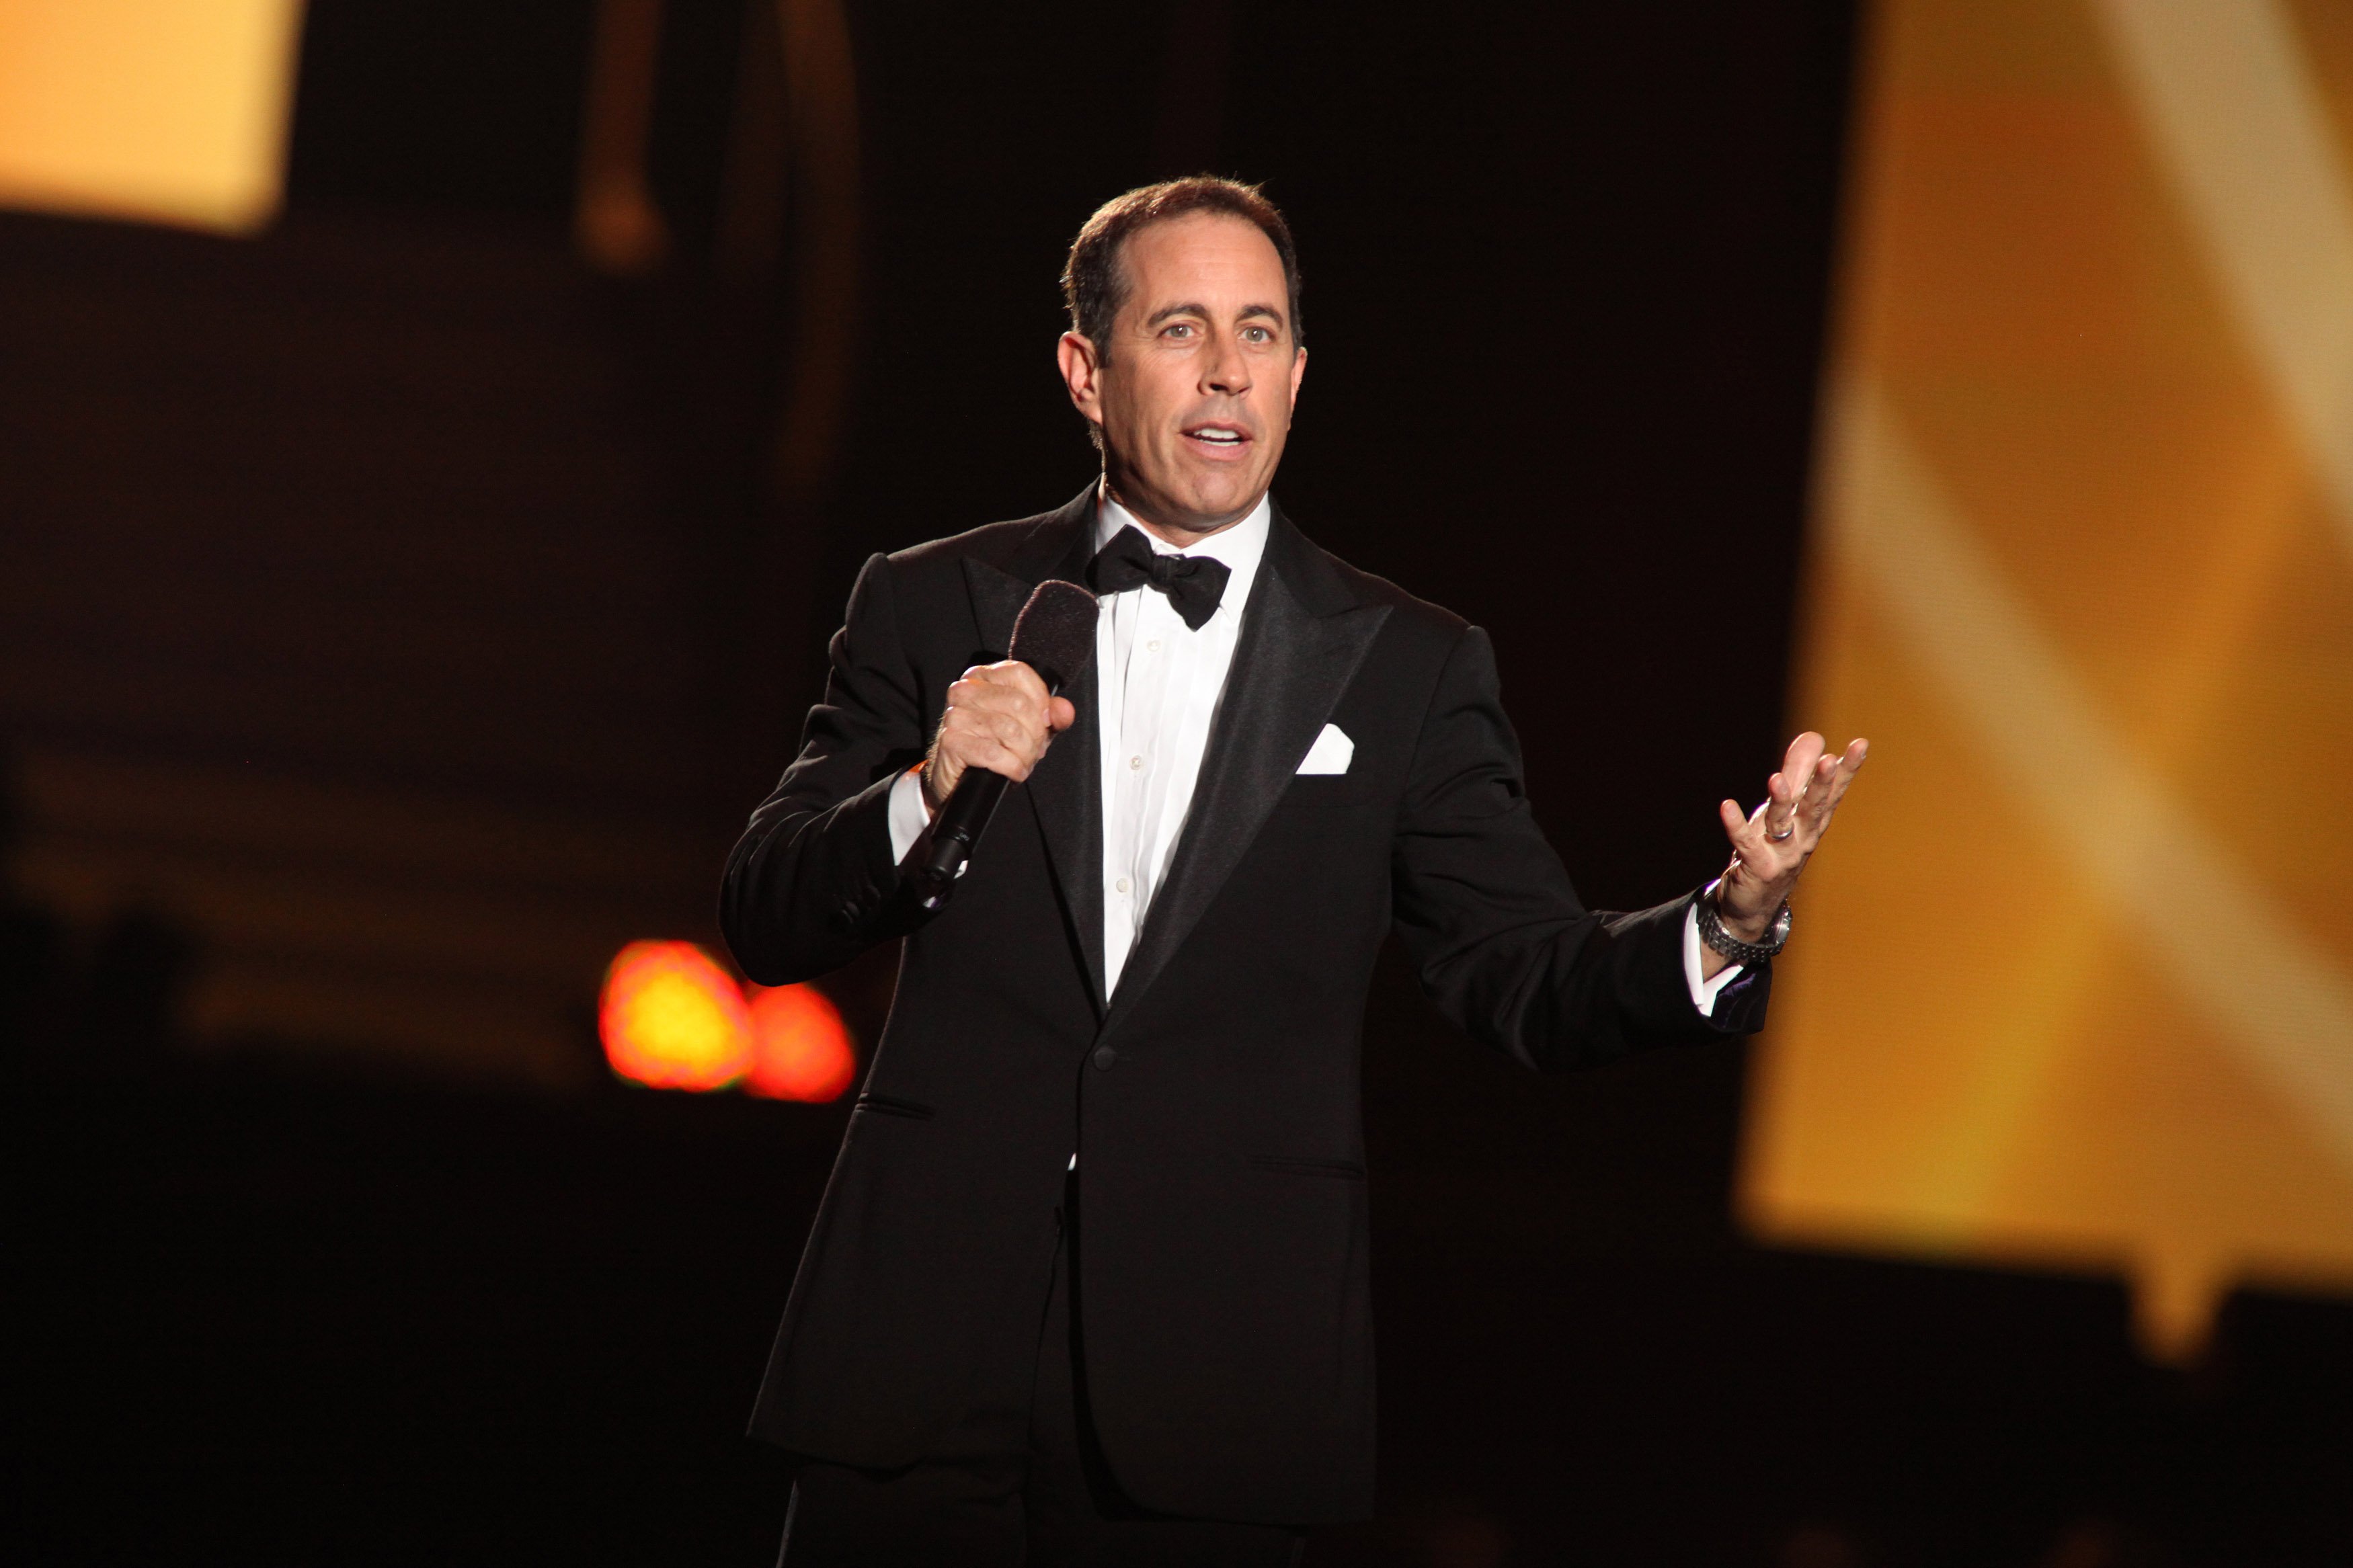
x=812 y=884
x=1485 y=909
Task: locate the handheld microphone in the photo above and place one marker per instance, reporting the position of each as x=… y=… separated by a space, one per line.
x=1055 y=636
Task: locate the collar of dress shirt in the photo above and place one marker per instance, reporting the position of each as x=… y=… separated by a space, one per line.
x=1239 y=547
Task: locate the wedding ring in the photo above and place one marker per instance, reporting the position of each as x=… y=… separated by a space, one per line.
x=1777 y=837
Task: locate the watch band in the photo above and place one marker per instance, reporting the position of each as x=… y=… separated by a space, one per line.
x=1711 y=931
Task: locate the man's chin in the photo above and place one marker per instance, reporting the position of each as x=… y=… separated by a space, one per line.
x=1218 y=498
x=1199 y=501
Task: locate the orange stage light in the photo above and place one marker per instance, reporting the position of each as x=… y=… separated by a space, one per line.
x=801 y=1047
x=672 y=1018
x=166 y=111
x=2082 y=570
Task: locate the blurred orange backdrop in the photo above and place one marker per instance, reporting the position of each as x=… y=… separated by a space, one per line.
x=170 y=110
x=2072 y=988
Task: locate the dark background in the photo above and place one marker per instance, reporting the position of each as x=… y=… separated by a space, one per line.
x=401 y=614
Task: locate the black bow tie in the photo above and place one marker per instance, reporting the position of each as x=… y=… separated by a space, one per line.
x=1194 y=584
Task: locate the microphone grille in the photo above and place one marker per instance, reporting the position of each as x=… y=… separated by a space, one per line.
x=1055 y=634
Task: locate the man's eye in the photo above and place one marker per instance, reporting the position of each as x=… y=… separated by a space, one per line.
x=1180 y=329
x=1256 y=334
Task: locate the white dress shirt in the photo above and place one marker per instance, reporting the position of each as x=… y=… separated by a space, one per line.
x=1159 y=683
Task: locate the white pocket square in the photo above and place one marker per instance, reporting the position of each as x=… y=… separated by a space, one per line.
x=1331 y=753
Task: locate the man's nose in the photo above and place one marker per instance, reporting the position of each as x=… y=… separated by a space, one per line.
x=1227 y=371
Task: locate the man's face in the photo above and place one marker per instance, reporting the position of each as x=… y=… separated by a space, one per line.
x=1194 y=389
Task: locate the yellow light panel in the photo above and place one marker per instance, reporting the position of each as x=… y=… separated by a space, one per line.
x=168 y=110
x=2073 y=985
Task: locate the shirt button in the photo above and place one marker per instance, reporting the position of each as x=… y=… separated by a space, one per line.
x=1120 y=884
x=1134 y=765
x=1152 y=647
x=1105 y=1056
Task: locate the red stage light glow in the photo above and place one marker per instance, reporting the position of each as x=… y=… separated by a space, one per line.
x=672 y=1018
x=801 y=1047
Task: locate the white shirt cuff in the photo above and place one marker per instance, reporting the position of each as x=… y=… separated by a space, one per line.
x=909 y=818
x=1703 y=992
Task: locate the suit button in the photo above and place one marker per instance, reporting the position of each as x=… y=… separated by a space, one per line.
x=1105 y=1056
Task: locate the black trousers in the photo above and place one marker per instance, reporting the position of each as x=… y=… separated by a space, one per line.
x=1018 y=1482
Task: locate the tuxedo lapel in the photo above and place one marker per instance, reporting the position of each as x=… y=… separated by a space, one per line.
x=998 y=596
x=1065 y=790
x=1303 y=636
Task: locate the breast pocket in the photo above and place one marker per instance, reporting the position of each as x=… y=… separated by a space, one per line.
x=1313 y=789
x=1298 y=1166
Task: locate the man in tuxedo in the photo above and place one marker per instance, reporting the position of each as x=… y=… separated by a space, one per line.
x=1089 y=1280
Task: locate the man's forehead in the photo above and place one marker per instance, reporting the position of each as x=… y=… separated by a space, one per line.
x=1212 y=257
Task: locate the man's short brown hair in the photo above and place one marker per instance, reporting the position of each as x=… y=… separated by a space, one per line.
x=1095 y=283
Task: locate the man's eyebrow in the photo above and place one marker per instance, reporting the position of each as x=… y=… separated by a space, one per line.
x=1190 y=308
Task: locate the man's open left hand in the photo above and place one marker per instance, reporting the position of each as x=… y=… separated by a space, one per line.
x=1771 y=845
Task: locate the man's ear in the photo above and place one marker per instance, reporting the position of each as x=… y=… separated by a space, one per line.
x=1298 y=374
x=1081 y=372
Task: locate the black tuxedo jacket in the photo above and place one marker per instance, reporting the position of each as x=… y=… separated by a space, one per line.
x=1212 y=1097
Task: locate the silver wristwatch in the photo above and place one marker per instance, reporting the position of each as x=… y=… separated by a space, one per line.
x=1711 y=931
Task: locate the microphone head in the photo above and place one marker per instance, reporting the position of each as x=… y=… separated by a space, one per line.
x=1055 y=634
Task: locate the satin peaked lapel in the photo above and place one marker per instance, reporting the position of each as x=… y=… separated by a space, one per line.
x=1066 y=790
x=998 y=596
x=1290 y=668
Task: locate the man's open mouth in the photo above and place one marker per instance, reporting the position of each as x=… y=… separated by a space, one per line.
x=1223 y=436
